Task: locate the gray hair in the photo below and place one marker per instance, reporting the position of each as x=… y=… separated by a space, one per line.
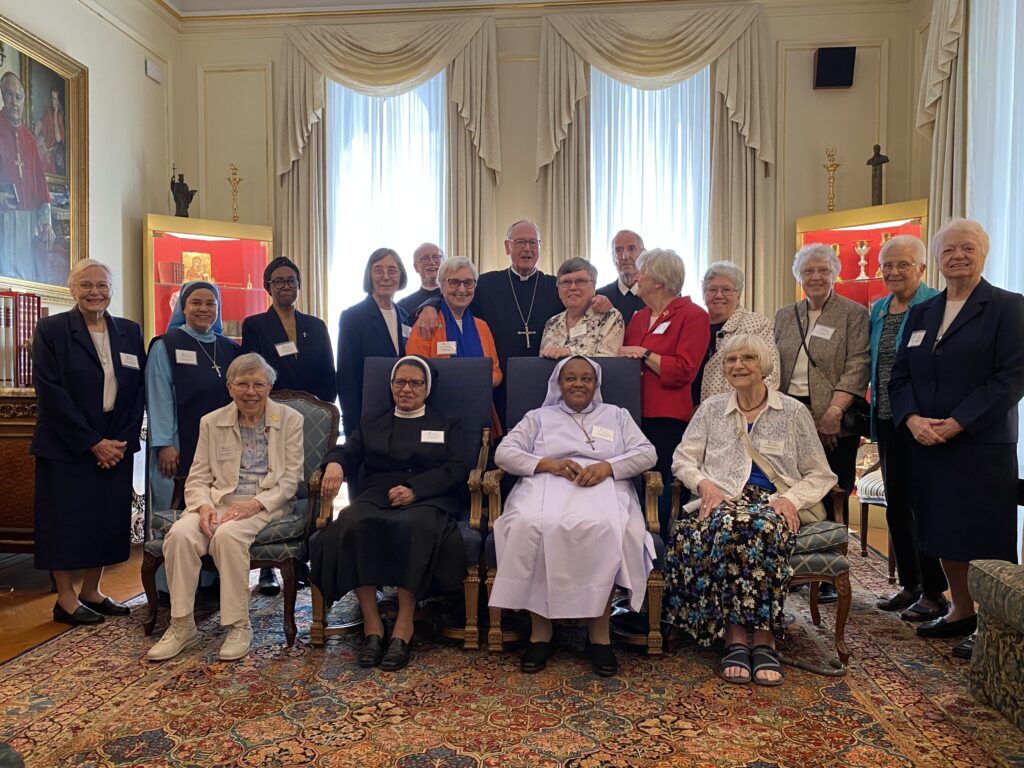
x=514 y=224
x=251 y=362
x=83 y=264
x=639 y=240
x=664 y=266
x=727 y=269
x=577 y=264
x=758 y=347
x=908 y=243
x=963 y=226
x=454 y=264
x=383 y=253
x=816 y=252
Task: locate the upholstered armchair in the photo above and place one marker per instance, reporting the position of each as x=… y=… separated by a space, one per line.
x=282 y=544
x=463 y=387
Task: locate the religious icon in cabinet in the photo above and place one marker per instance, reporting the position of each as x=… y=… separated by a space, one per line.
x=857 y=236
x=232 y=256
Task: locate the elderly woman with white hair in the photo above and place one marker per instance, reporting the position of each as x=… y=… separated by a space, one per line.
x=825 y=362
x=922 y=584
x=88 y=376
x=753 y=457
x=722 y=287
x=955 y=386
x=247 y=467
x=670 y=335
x=580 y=329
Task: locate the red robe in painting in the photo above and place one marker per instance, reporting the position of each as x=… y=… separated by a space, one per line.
x=30 y=179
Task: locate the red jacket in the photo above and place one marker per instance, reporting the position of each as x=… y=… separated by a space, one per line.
x=681 y=345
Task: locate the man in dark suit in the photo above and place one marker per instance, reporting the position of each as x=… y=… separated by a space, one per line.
x=426 y=260
x=626 y=248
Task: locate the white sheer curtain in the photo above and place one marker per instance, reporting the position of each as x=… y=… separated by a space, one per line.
x=995 y=144
x=650 y=163
x=386 y=161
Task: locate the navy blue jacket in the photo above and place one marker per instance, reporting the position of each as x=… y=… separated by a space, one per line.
x=68 y=378
x=975 y=374
x=312 y=370
x=362 y=333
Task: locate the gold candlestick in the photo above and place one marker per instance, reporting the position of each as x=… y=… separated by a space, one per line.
x=886 y=237
x=234 y=180
x=836 y=247
x=831 y=167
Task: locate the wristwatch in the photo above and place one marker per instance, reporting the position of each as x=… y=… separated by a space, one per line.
x=647 y=353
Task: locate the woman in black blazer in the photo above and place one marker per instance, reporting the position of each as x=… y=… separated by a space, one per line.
x=954 y=389
x=88 y=375
x=375 y=327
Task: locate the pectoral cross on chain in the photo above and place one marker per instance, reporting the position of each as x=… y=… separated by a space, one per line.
x=217 y=369
x=527 y=333
x=21 y=165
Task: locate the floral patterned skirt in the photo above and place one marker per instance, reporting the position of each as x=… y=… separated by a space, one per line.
x=731 y=568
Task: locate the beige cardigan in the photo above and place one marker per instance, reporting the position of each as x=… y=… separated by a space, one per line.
x=844 y=360
x=214 y=473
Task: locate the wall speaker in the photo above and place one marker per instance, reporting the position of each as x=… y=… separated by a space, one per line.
x=833 y=67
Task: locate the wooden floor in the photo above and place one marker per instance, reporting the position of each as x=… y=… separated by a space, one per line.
x=26 y=617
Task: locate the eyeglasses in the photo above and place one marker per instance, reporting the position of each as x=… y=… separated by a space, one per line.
x=720 y=291
x=400 y=384
x=899 y=266
x=745 y=359
x=281 y=282
x=469 y=283
x=389 y=272
x=254 y=386
x=816 y=272
x=101 y=287
x=430 y=257
x=577 y=283
x=524 y=243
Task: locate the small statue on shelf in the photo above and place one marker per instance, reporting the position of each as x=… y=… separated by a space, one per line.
x=876 y=161
x=182 y=194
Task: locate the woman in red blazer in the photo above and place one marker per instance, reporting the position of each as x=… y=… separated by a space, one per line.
x=670 y=335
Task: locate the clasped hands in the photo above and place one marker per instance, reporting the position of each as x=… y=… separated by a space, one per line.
x=334 y=476
x=575 y=473
x=930 y=432
x=711 y=496
x=242 y=510
x=109 y=452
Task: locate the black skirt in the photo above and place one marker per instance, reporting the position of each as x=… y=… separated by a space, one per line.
x=83 y=514
x=418 y=548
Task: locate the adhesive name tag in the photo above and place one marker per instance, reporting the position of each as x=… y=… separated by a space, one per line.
x=661 y=328
x=774 y=447
x=916 y=338
x=185 y=357
x=447 y=348
x=577 y=331
x=286 y=348
x=225 y=452
x=823 y=332
x=432 y=436
x=406 y=330
x=602 y=433
x=130 y=361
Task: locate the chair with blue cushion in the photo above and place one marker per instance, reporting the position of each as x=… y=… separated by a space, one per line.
x=527 y=379
x=284 y=543
x=462 y=387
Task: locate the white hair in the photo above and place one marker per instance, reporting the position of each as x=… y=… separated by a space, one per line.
x=664 y=266
x=727 y=269
x=83 y=264
x=816 y=252
x=454 y=264
x=963 y=226
x=908 y=243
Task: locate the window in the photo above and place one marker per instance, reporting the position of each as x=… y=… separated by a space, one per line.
x=650 y=162
x=386 y=175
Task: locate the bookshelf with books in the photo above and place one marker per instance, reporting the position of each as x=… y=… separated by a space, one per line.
x=19 y=313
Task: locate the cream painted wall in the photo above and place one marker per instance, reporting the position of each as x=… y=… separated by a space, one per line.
x=129 y=125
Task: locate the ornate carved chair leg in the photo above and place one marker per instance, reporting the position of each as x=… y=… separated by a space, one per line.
x=316 y=627
x=471 y=584
x=842 y=584
x=150 y=563
x=288 y=573
x=495 y=640
x=813 y=599
x=655 y=591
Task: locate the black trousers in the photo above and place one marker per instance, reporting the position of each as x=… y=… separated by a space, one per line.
x=917 y=572
x=665 y=434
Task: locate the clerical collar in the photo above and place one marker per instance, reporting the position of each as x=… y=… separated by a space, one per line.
x=624 y=289
x=521 y=278
x=411 y=414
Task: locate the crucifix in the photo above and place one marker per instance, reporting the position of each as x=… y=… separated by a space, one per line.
x=217 y=369
x=18 y=161
x=527 y=333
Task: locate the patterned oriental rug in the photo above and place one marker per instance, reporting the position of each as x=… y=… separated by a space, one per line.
x=89 y=698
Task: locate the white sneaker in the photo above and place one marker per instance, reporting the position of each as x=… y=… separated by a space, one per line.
x=236 y=644
x=175 y=640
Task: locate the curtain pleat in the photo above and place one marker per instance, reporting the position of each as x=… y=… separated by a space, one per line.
x=302 y=220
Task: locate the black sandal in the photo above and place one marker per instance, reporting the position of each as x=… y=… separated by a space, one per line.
x=736 y=655
x=765 y=659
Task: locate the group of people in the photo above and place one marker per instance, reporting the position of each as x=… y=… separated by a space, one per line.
x=757 y=419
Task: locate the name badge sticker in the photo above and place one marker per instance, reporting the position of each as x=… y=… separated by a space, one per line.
x=447 y=348
x=406 y=331
x=916 y=338
x=661 y=328
x=129 y=361
x=185 y=357
x=602 y=433
x=823 y=332
x=432 y=436
x=774 y=447
x=286 y=348
x=577 y=331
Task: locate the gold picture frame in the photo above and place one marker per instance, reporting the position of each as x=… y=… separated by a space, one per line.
x=51 y=135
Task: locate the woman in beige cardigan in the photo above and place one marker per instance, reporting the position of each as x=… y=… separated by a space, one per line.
x=824 y=356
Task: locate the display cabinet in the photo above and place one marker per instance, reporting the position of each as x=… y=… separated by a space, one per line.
x=857 y=237
x=233 y=256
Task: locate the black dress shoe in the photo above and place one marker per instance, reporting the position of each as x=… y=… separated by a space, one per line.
x=397 y=655
x=965 y=648
x=535 y=657
x=827 y=593
x=81 y=616
x=269 y=585
x=942 y=628
x=107 y=607
x=302 y=576
x=371 y=652
x=602 y=659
